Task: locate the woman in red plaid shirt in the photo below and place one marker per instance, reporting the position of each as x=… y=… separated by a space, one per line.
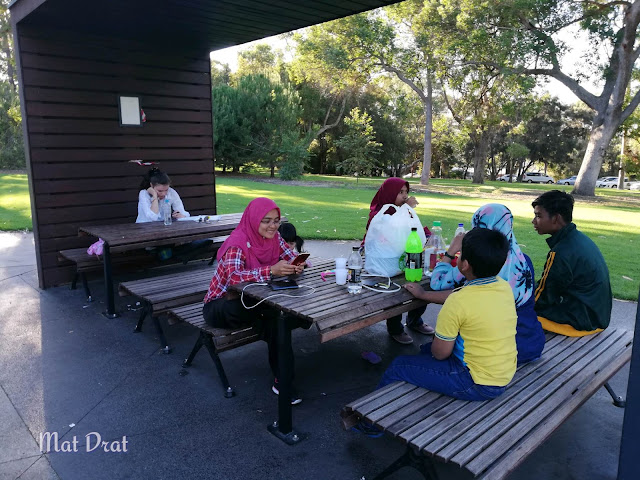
x=254 y=252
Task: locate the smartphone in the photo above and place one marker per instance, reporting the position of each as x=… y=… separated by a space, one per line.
x=300 y=259
x=283 y=284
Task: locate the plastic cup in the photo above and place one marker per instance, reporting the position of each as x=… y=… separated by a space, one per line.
x=341 y=276
x=341 y=263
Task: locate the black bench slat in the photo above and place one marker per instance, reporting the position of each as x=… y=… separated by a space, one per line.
x=158 y=285
x=85 y=262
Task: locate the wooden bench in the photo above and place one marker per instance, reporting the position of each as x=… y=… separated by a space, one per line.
x=139 y=258
x=216 y=340
x=159 y=294
x=490 y=439
x=91 y=263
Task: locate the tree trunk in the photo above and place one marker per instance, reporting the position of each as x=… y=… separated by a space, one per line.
x=273 y=170
x=428 y=131
x=322 y=155
x=599 y=140
x=480 y=144
x=623 y=152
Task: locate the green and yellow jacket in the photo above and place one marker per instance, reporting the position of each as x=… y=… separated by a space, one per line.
x=574 y=288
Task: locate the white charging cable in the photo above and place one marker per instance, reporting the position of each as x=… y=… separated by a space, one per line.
x=313 y=290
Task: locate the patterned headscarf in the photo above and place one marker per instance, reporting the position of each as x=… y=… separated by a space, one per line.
x=515 y=270
x=259 y=251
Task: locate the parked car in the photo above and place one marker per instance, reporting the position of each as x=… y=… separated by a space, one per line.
x=568 y=181
x=505 y=178
x=634 y=186
x=536 y=177
x=605 y=181
x=611 y=182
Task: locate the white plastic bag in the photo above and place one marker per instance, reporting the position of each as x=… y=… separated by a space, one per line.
x=386 y=238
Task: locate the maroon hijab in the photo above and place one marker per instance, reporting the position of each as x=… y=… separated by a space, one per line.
x=259 y=251
x=387 y=193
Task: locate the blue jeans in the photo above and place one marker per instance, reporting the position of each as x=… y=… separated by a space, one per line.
x=448 y=376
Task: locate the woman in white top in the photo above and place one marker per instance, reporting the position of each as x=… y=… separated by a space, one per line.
x=155 y=188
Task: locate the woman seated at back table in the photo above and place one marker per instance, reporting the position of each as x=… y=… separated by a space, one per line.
x=517 y=270
x=254 y=252
x=156 y=188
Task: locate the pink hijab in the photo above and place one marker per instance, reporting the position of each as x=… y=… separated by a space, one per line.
x=259 y=251
x=387 y=193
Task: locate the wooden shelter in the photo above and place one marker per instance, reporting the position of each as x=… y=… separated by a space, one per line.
x=78 y=61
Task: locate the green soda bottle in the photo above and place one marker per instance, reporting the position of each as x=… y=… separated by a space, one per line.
x=413 y=257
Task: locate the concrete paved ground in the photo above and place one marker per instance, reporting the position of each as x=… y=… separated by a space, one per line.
x=65 y=368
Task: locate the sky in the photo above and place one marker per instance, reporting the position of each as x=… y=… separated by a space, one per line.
x=571 y=62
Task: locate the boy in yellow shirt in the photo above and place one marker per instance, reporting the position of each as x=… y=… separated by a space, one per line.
x=473 y=355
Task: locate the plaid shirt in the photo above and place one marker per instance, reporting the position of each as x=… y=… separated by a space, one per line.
x=230 y=271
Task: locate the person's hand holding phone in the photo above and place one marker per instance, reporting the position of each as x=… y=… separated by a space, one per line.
x=283 y=268
x=301 y=259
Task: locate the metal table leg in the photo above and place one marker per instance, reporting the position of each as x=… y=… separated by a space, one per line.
x=108 y=283
x=283 y=428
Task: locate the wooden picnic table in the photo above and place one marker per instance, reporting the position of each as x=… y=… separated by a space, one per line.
x=124 y=237
x=333 y=310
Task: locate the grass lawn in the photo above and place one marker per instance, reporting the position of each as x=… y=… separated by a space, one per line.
x=341 y=211
x=337 y=208
x=15 y=205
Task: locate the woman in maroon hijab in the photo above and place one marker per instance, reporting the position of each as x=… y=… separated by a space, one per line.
x=396 y=191
x=254 y=252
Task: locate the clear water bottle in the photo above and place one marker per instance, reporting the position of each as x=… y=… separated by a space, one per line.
x=354 y=271
x=434 y=248
x=166 y=212
x=459 y=230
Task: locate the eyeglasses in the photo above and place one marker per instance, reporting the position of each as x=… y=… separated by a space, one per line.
x=268 y=221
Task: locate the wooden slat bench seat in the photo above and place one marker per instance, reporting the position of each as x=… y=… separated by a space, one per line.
x=91 y=263
x=490 y=439
x=133 y=258
x=216 y=340
x=159 y=294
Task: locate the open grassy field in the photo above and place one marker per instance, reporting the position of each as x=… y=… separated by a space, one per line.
x=15 y=205
x=326 y=207
x=341 y=211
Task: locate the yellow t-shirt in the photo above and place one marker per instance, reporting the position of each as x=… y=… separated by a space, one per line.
x=481 y=318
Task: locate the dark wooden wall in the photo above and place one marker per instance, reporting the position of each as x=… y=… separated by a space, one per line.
x=78 y=155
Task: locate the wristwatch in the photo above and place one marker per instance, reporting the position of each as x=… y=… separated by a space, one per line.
x=452 y=257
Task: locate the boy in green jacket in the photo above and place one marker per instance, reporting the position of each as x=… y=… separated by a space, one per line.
x=573 y=296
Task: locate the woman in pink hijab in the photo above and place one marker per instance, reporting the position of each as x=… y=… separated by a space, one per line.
x=396 y=191
x=254 y=252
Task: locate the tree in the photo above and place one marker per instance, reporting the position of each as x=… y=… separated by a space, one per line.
x=526 y=32
x=369 y=43
x=359 y=144
x=7 y=61
x=271 y=110
x=220 y=73
x=259 y=59
x=11 y=144
x=231 y=129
